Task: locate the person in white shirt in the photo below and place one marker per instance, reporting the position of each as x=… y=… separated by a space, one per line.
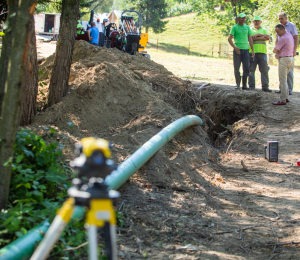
x=99 y=25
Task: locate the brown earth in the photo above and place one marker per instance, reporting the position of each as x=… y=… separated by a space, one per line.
x=193 y=199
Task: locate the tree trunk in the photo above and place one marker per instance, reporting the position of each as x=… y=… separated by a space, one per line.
x=30 y=82
x=233 y=3
x=64 y=50
x=11 y=107
x=6 y=46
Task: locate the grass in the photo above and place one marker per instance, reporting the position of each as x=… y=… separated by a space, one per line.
x=198 y=34
x=212 y=69
x=188 y=30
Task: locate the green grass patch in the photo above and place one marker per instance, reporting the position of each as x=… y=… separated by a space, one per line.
x=200 y=34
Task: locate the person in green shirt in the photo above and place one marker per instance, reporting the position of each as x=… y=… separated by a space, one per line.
x=242 y=39
x=80 y=28
x=260 y=36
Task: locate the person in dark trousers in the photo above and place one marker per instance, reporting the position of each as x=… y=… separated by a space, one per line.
x=292 y=29
x=102 y=34
x=93 y=34
x=260 y=36
x=242 y=39
x=284 y=50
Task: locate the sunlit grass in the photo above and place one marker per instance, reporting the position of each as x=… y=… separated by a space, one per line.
x=211 y=69
x=189 y=30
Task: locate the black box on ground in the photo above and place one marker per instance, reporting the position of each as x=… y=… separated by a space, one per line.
x=271 y=151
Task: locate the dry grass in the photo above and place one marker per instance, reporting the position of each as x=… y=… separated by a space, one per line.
x=211 y=69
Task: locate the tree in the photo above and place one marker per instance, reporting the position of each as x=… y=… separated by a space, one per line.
x=152 y=11
x=30 y=82
x=10 y=114
x=269 y=11
x=64 y=50
x=228 y=18
x=6 y=47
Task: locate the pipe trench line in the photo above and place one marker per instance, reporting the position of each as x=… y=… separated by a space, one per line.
x=23 y=247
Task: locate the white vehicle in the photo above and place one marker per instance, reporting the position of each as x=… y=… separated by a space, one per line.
x=47 y=23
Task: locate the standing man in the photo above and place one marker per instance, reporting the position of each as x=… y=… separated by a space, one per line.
x=93 y=34
x=102 y=33
x=242 y=38
x=292 y=29
x=284 y=51
x=260 y=37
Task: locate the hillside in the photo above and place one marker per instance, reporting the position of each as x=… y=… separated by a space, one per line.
x=202 y=33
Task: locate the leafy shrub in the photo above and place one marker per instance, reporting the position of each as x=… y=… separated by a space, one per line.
x=38 y=188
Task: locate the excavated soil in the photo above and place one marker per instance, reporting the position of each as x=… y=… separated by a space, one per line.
x=192 y=199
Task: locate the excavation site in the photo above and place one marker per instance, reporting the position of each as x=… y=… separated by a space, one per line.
x=209 y=192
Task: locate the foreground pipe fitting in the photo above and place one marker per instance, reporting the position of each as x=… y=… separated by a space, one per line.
x=23 y=247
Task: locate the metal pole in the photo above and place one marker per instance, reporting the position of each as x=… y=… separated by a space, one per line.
x=113 y=241
x=56 y=228
x=93 y=248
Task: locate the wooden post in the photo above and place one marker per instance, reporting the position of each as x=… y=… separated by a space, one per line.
x=157 y=45
x=189 y=48
x=270 y=59
x=227 y=51
x=220 y=49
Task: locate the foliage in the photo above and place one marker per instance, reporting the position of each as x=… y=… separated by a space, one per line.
x=179 y=7
x=47 y=6
x=120 y=219
x=122 y=4
x=269 y=11
x=152 y=11
x=38 y=188
x=227 y=18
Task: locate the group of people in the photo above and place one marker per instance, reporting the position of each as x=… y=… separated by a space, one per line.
x=96 y=33
x=285 y=50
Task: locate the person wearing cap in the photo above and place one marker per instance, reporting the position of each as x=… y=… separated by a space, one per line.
x=284 y=50
x=99 y=25
x=242 y=39
x=292 y=29
x=93 y=34
x=260 y=36
x=80 y=28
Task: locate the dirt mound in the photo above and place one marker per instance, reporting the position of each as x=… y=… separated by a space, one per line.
x=126 y=99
